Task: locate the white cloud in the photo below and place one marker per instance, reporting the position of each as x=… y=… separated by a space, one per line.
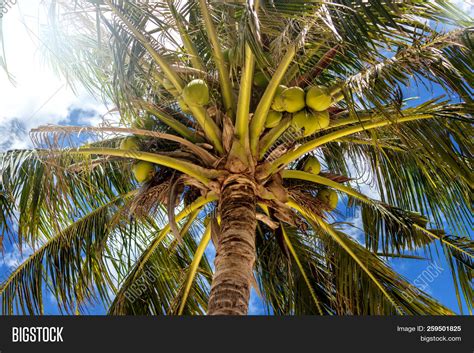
x=15 y=257
x=467 y=6
x=39 y=96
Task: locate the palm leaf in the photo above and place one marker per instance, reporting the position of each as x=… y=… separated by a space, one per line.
x=74 y=255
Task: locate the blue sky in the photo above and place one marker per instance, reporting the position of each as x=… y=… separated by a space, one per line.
x=39 y=97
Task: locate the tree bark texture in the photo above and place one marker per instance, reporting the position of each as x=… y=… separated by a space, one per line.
x=235 y=253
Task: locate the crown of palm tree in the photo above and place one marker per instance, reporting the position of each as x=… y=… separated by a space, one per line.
x=217 y=170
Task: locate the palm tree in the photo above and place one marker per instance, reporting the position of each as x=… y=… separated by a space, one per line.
x=227 y=109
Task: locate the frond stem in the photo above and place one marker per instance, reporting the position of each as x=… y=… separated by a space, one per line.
x=224 y=77
x=313 y=144
x=194 y=267
x=258 y=121
x=199 y=173
x=300 y=267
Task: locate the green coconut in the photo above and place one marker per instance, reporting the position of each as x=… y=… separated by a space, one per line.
x=328 y=197
x=277 y=103
x=144 y=123
x=130 y=144
x=260 y=79
x=196 y=92
x=310 y=121
x=228 y=54
x=318 y=98
x=143 y=171
x=303 y=121
x=312 y=165
x=225 y=54
x=321 y=119
x=293 y=99
x=183 y=106
x=273 y=119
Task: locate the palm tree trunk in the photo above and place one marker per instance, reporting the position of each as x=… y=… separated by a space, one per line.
x=235 y=253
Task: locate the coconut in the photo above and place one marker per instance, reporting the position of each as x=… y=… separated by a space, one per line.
x=228 y=54
x=321 y=119
x=303 y=121
x=310 y=121
x=293 y=99
x=273 y=119
x=225 y=54
x=318 y=98
x=144 y=123
x=328 y=197
x=183 y=106
x=312 y=165
x=277 y=104
x=143 y=171
x=260 y=79
x=196 y=92
x=130 y=144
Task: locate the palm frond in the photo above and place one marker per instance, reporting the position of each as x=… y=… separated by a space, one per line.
x=391 y=229
x=285 y=291
x=395 y=298
x=194 y=267
x=156 y=259
x=73 y=255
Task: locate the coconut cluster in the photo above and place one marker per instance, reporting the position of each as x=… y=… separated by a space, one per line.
x=309 y=108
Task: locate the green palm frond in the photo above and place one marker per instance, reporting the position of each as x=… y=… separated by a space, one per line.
x=40 y=188
x=158 y=288
x=285 y=290
x=436 y=160
x=73 y=255
x=428 y=60
x=156 y=258
x=300 y=266
x=387 y=288
x=459 y=252
x=193 y=270
x=391 y=229
x=387 y=228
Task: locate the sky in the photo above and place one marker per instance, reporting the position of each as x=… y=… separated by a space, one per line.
x=39 y=97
